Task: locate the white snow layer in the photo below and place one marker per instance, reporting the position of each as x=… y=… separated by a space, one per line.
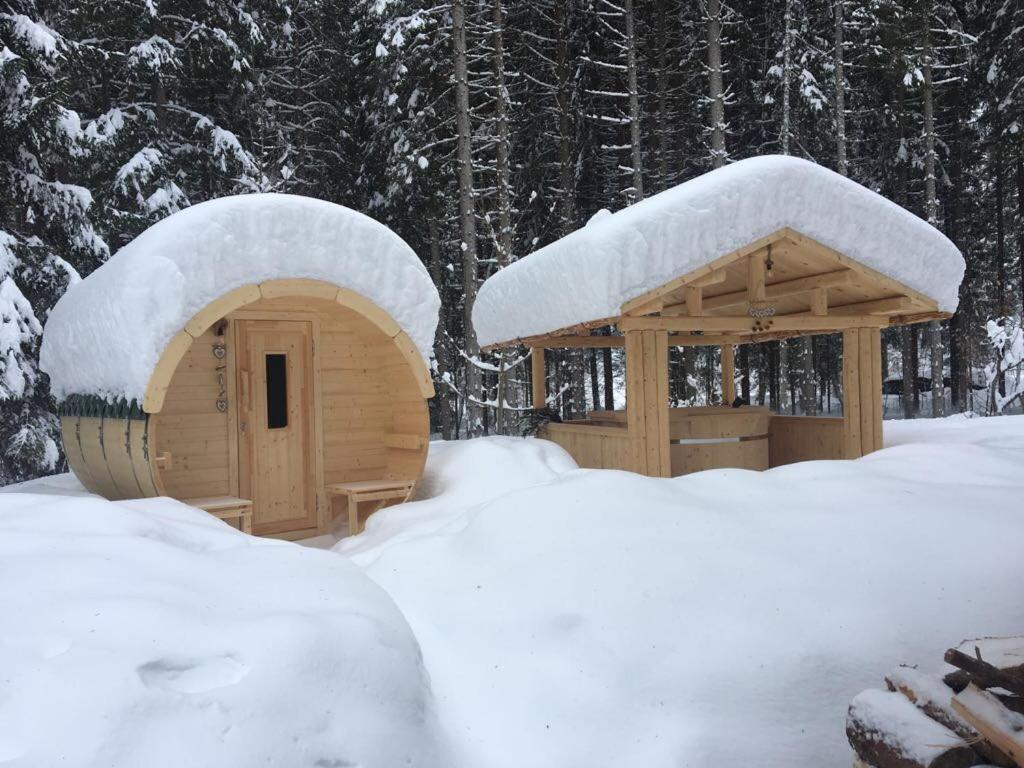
x=590 y=273
x=106 y=334
x=566 y=617
x=584 y=617
x=151 y=634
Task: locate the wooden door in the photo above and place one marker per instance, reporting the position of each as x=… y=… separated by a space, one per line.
x=275 y=429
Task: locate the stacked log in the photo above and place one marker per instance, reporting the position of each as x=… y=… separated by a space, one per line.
x=971 y=716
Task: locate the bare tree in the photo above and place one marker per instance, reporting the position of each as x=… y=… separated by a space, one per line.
x=467 y=214
x=716 y=93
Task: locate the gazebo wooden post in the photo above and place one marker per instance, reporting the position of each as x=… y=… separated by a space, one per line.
x=862 y=391
x=538 y=377
x=647 y=401
x=728 y=375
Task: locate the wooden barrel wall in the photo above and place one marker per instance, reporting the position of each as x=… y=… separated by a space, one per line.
x=107 y=446
x=372 y=420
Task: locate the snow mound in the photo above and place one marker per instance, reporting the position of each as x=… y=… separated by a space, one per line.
x=590 y=617
x=463 y=470
x=151 y=634
x=106 y=334
x=590 y=273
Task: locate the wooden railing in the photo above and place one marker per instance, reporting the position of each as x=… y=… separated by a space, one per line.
x=700 y=438
x=596 y=445
x=713 y=437
x=805 y=438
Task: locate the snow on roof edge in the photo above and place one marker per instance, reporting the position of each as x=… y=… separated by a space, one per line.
x=590 y=273
x=106 y=334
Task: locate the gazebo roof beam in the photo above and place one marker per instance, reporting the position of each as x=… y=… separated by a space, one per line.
x=773 y=291
x=747 y=324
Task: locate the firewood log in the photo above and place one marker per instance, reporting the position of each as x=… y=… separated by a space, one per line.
x=1001 y=727
x=887 y=731
x=986 y=675
x=934 y=698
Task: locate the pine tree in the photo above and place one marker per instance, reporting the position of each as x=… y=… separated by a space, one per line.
x=45 y=226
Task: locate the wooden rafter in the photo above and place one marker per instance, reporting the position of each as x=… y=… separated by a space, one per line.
x=694 y=300
x=748 y=324
x=578 y=330
x=887 y=306
x=893 y=286
x=756 y=276
x=651 y=301
x=571 y=342
x=777 y=290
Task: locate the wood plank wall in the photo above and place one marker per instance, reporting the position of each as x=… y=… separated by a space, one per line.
x=593 y=447
x=806 y=438
x=375 y=422
x=190 y=430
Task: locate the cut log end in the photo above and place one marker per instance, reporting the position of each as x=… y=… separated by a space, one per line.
x=887 y=731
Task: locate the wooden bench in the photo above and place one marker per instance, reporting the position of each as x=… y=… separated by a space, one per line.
x=226 y=508
x=380 y=492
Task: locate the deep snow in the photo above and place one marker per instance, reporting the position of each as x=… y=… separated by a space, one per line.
x=584 y=617
x=645 y=245
x=106 y=334
x=566 y=617
x=148 y=634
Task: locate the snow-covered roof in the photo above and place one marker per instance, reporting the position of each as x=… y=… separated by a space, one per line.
x=105 y=335
x=589 y=274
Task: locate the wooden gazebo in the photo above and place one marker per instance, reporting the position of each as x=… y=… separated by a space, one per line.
x=778 y=285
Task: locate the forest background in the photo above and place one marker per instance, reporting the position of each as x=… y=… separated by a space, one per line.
x=482 y=130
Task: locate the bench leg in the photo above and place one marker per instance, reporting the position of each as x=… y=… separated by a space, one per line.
x=353 y=515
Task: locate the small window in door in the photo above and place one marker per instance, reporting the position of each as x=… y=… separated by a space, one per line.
x=277 y=391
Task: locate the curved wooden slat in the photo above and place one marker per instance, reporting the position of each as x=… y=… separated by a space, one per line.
x=116 y=451
x=73 y=451
x=311 y=289
x=90 y=435
x=139 y=449
x=412 y=356
x=218 y=308
x=369 y=310
x=156 y=390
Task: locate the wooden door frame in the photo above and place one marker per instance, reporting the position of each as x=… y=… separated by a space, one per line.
x=319 y=495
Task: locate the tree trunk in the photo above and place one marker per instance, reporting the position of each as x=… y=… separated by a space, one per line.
x=840 y=90
x=503 y=186
x=787 y=63
x=744 y=366
x=566 y=128
x=931 y=204
x=442 y=397
x=715 y=89
x=609 y=379
x=636 y=151
x=663 y=128
x=467 y=213
x=908 y=337
x=1020 y=219
x=808 y=391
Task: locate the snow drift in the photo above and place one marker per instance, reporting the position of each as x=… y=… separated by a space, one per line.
x=106 y=334
x=590 y=273
x=590 y=617
x=567 y=617
x=150 y=634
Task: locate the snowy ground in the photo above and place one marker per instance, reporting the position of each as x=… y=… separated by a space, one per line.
x=566 y=617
